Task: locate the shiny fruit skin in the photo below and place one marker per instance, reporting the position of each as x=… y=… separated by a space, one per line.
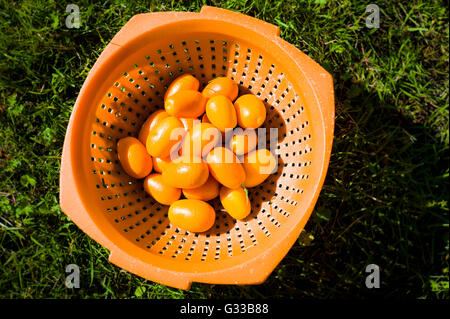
x=186 y=103
x=150 y=123
x=162 y=192
x=160 y=164
x=258 y=165
x=250 y=111
x=165 y=137
x=192 y=215
x=225 y=167
x=221 y=86
x=201 y=140
x=183 y=82
x=221 y=112
x=205 y=119
x=243 y=142
x=133 y=157
x=185 y=172
x=207 y=191
x=235 y=202
x=189 y=123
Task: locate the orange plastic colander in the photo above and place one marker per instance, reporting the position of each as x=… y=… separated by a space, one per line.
x=128 y=82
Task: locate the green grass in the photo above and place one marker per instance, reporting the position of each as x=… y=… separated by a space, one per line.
x=385 y=199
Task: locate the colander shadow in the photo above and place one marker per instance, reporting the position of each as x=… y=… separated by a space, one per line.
x=261 y=197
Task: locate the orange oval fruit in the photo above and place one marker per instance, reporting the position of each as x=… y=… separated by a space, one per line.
x=186 y=172
x=192 y=215
x=165 y=137
x=221 y=86
x=243 y=141
x=162 y=192
x=133 y=157
x=225 y=167
x=185 y=103
x=258 y=165
x=160 y=164
x=221 y=112
x=183 y=82
x=250 y=111
x=235 y=202
x=207 y=191
x=150 y=123
x=205 y=119
x=189 y=123
x=201 y=140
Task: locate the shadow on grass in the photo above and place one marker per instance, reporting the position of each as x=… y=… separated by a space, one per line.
x=384 y=201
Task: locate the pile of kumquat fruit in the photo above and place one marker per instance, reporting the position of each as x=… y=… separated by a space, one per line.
x=203 y=145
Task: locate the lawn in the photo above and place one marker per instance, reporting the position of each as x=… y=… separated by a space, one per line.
x=385 y=198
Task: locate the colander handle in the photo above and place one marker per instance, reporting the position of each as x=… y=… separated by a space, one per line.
x=143 y=22
x=146 y=21
x=242 y=19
